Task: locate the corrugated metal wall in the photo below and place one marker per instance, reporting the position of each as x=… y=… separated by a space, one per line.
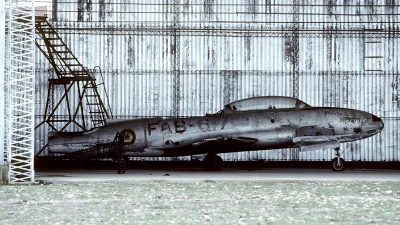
x=328 y=53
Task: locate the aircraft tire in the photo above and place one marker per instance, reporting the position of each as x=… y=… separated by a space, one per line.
x=214 y=163
x=335 y=166
x=122 y=166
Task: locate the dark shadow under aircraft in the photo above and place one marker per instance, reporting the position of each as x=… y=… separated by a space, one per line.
x=259 y=123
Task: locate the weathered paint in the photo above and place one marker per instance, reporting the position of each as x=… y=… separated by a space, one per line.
x=259 y=123
x=347 y=57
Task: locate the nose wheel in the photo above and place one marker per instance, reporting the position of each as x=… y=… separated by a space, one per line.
x=338 y=162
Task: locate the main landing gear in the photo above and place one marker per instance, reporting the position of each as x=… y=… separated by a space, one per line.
x=122 y=163
x=338 y=163
x=213 y=163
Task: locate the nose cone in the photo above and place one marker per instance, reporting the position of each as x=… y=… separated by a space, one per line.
x=375 y=126
x=378 y=122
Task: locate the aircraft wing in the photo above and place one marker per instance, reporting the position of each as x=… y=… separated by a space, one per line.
x=315 y=138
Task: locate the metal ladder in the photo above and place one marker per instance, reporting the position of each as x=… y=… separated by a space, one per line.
x=73 y=77
x=114 y=150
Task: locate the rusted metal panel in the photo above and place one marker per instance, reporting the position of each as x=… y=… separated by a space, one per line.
x=348 y=57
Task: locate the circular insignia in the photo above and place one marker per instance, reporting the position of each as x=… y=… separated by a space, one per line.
x=129 y=136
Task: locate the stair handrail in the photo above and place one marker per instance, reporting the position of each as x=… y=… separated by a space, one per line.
x=105 y=90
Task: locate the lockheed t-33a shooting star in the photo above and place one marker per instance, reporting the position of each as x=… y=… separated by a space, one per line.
x=259 y=123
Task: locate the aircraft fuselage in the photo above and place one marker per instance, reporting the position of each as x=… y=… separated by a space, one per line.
x=307 y=128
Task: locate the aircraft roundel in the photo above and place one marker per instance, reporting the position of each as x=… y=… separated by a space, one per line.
x=129 y=136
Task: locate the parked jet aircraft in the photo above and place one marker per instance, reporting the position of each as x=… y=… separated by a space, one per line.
x=259 y=123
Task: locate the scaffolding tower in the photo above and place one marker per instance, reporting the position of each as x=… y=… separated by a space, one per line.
x=19 y=90
x=2 y=92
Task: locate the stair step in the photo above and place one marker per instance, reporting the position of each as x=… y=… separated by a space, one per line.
x=74 y=73
x=47 y=30
x=62 y=51
x=83 y=76
x=54 y=40
x=74 y=65
x=80 y=73
x=69 y=78
x=68 y=58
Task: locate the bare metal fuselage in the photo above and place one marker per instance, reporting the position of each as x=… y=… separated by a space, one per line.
x=308 y=128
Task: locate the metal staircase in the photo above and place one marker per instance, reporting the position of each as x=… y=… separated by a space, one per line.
x=73 y=96
x=97 y=110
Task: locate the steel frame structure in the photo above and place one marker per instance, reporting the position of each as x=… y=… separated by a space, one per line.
x=176 y=60
x=73 y=80
x=295 y=60
x=114 y=150
x=21 y=91
x=228 y=32
x=2 y=87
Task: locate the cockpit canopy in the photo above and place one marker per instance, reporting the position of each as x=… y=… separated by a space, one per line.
x=263 y=103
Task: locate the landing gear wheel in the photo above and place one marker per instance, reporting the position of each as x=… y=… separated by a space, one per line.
x=337 y=165
x=214 y=163
x=122 y=165
x=337 y=162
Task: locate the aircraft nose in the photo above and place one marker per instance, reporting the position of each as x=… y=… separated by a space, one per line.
x=378 y=121
x=377 y=124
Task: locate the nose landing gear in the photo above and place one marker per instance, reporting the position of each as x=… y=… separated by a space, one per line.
x=338 y=163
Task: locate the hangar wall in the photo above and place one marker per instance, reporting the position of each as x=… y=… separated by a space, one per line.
x=187 y=58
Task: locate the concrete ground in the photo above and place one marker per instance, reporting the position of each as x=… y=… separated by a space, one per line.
x=199 y=175
x=194 y=196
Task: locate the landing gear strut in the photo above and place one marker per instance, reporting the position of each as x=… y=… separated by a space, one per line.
x=122 y=162
x=338 y=163
x=213 y=163
x=120 y=151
